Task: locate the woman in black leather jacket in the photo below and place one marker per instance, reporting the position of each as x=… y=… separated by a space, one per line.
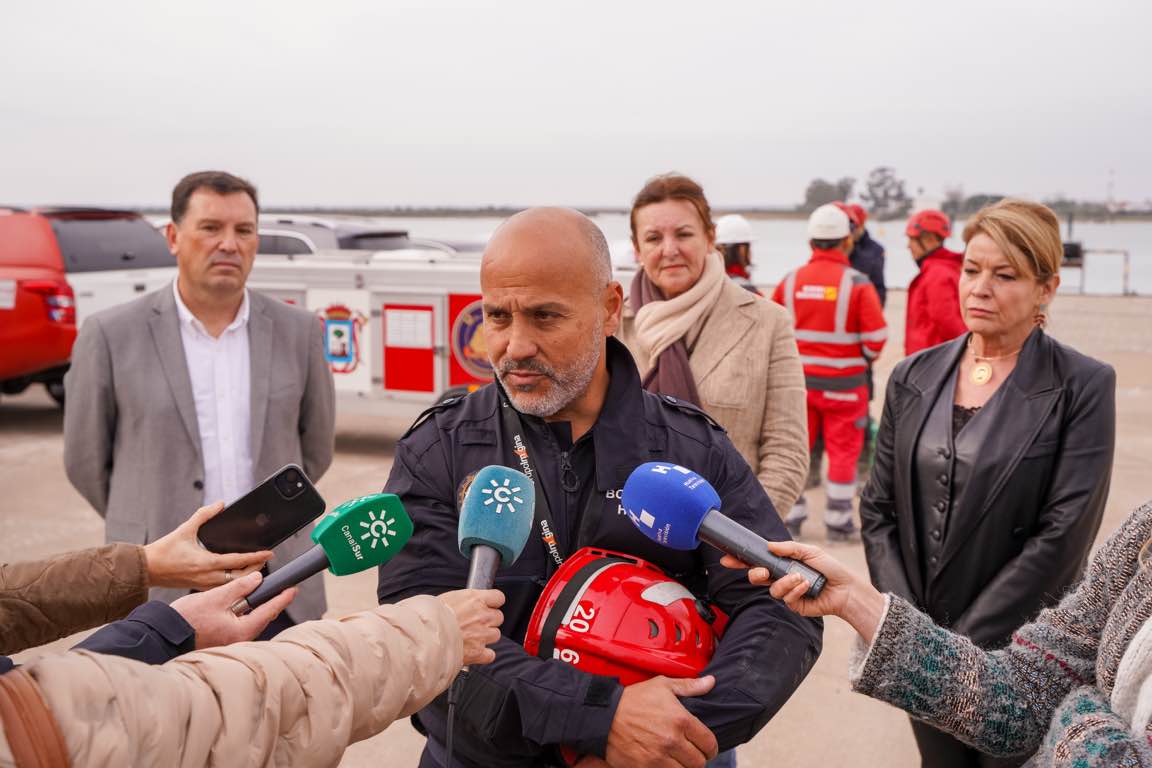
x=994 y=454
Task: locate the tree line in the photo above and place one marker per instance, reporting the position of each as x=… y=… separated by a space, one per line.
x=885 y=196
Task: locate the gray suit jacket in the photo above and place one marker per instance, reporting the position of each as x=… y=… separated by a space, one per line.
x=131 y=440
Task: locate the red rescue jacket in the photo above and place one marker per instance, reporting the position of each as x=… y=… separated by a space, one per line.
x=840 y=325
x=934 y=302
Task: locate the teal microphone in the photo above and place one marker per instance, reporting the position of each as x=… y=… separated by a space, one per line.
x=495 y=520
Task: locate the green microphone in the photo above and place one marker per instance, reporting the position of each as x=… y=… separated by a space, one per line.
x=357 y=535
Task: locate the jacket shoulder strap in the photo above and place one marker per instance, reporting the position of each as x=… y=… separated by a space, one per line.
x=443 y=405
x=683 y=406
x=32 y=732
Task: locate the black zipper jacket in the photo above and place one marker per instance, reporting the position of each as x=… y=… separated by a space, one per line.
x=1019 y=534
x=516 y=711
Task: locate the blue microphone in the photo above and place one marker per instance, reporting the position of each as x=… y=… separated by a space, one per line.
x=676 y=507
x=495 y=520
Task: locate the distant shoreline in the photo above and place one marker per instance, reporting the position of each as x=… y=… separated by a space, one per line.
x=500 y=212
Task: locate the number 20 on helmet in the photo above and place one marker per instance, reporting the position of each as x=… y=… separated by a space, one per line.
x=612 y=614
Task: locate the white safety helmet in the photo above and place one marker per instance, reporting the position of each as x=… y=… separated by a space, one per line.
x=732 y=229
x=828 y=222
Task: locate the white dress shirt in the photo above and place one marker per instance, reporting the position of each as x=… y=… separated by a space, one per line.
x=220 y=370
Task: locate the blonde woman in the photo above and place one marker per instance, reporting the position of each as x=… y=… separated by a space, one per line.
x=994 y=454
x=700 y=337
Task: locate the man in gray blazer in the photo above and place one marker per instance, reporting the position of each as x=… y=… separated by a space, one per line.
x=199 y=391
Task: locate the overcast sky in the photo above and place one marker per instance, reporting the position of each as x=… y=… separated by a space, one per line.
x=428 y=103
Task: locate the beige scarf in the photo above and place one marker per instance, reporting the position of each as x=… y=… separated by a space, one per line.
x=660 y=324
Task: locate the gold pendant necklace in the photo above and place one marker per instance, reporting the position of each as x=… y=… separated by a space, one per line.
x=981 y=373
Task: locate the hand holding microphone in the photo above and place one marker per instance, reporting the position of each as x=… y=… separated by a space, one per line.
x=495 y=521
x=845 y=594
x=479 y=616
x=210 y=616
x=676 y=507
x=357 y=535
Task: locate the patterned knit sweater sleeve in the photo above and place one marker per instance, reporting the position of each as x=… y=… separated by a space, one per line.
x=1038 y=693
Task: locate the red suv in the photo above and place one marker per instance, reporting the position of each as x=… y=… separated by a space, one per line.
x=55 y=262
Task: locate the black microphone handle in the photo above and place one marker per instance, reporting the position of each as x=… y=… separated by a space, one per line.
x=482 y=567
x=295 y=571
x=730 y=537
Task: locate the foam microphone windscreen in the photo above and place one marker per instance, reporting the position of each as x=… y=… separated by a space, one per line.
x=676 y=507
x=497 y=511
x=668 y=502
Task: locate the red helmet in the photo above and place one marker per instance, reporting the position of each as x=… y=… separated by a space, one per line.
x=612 y=614
x=861 y=215
x=851 y=213
x=929 y=220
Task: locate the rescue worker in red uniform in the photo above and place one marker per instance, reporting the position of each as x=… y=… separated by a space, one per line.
x=840 y=328
x=934 y=295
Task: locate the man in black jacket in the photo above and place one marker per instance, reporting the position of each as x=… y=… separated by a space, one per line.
x=571 y=395
x=867 y=255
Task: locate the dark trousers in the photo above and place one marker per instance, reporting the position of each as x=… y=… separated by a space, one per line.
x=939 y=750
x=433 y=757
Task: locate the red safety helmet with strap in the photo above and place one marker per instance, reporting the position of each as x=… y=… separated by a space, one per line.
x=850 y=212
x=929 y=220
x=613 y=614
x=860 y=214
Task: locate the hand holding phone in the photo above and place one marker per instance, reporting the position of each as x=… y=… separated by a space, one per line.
x=179 y=560
x=265 y=516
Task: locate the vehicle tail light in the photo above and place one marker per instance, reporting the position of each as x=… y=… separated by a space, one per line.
x=59 y=301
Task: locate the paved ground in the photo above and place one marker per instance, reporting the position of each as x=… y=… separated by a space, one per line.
x=823 y=724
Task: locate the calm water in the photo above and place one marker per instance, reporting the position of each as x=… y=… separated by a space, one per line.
x=781 y=247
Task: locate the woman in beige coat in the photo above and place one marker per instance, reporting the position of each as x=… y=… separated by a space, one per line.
x=700 y=337
x=299 y=699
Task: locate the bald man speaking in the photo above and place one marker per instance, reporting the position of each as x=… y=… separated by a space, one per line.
x=569 y=393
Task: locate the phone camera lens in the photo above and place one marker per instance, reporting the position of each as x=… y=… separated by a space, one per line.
x=290 y=483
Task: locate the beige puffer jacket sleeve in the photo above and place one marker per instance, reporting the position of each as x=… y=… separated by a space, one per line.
x=44 y=600
x=297 y=700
